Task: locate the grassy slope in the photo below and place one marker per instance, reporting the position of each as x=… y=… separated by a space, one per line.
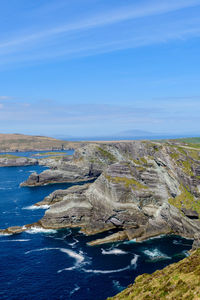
x=20 y=142
x=180 y=281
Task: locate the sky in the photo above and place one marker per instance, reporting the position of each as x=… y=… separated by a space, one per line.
x=75 y=68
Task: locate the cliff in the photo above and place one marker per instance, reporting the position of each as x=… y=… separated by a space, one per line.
x=141 y=189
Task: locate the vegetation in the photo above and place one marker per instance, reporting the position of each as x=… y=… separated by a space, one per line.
x=50 y=153
x=20 y=142
x=127 y=182
x=185 y=200
x=176 y=281
x=9 y=156
x=106 y=154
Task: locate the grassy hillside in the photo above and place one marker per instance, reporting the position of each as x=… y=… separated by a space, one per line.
x=20 y=142
x=180 y=281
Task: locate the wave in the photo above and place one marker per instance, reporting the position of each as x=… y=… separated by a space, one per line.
x=5 y=188
x=23 y=240
x=34 y=230
x=105 y=271
x=176 y=242
x=79 y=258
x=186 y=253
x=113 y=251
x=117 y=285
x=156 y=254
x=134 y=261
x=130 y=242
x=5 y=234
x=33 y=207
x=75 y=290
x=74 y=243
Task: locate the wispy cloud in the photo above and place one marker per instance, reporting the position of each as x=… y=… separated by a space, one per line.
x=5 y=98
x=137 y=24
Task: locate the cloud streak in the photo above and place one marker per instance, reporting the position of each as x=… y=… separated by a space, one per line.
x=137 y=25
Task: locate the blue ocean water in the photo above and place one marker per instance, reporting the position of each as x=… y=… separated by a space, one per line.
x=59 y=264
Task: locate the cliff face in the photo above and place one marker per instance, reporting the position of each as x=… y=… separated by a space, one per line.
x=141 y=188
x=144 y=189
x=176 y=281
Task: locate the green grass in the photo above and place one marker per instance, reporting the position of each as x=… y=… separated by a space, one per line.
x=127 y=182
x=106 y=155
x=185 y=200
x=9 y=156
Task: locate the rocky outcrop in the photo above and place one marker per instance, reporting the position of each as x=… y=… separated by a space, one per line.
x=15 y=161
x=142 y=189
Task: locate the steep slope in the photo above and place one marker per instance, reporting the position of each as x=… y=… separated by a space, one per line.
x=176 y=281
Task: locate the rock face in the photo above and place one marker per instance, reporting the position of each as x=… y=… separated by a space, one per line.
x=145 y=189
x=14 y=161
x=142 y=189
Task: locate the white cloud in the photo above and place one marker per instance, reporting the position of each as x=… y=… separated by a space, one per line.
x=76 y=38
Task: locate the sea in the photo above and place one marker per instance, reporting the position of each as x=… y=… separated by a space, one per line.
x=59 y=264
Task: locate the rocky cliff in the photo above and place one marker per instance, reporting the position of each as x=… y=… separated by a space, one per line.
x=142 y=189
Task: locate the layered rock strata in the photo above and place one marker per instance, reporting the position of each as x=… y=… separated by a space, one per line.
x=142 y=189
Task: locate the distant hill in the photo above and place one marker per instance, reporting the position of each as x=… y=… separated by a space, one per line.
x=21 y=142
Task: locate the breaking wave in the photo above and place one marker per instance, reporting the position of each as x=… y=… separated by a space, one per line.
x=22 y=240
x=33 y=207
x=156 y=254
x=34 y=230
x=105 y=271
x=113 y=251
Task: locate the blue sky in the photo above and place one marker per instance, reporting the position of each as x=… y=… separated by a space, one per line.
x=99 y=67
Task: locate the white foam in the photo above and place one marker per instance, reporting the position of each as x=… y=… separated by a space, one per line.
x=106 y=271
x=186 y=253
x=117 y=285
x=156 y=254
x=130 y=242
x=79 y=258
x=24 y=240
x=67 y=269
x=5 y=234
x=34 y=230
x=113 y=251
x=75 y=290
x=74 y=243
x=134 y=261
x=33 y=207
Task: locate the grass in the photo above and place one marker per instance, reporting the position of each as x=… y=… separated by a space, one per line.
x=185 y=200
x=9 y=156
x=127 y=182
x=176 y=281
x=50 y=153
x=106 y=154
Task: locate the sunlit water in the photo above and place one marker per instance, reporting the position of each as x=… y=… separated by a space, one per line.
x=59 y=264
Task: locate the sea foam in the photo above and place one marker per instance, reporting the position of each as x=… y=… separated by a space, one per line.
x=34 y=230
x=155 y=254
x=105 y=271
x=113 y=251
x=33 y=207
